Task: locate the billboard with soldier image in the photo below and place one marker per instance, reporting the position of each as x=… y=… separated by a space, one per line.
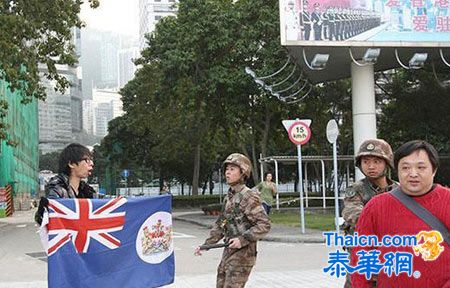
x=365 y=22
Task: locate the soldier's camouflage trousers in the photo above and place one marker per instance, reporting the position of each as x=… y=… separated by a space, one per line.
x=232 y=276
x=348 y=281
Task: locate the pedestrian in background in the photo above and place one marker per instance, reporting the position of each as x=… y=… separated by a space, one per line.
x=268 y=191
x=75 y=164
x=241 y=224
x=164 y=189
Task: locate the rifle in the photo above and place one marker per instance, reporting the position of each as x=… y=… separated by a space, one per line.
x=213 y=246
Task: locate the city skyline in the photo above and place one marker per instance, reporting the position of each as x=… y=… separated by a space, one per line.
x=119 y=16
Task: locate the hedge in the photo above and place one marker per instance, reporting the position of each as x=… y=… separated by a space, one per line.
x=200 y=201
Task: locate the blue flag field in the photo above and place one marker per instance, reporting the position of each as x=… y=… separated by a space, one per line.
x=109 y=242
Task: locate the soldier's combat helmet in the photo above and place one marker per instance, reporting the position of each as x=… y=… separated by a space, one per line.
x=378 y=148
x=241 y=161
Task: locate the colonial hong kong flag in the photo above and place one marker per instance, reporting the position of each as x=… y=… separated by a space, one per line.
x=109 y=242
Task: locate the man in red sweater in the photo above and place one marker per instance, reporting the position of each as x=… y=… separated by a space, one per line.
x=416 y=162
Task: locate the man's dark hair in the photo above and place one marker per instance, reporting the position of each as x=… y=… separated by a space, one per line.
x=73 y=153
x=409 y=147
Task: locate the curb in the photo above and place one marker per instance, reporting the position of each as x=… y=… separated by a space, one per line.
x=209 y=226
x=293 y=239
x=268 y=238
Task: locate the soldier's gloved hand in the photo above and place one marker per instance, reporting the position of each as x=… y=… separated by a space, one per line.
x=43 y=204
x=235 y=243
x=197 y=251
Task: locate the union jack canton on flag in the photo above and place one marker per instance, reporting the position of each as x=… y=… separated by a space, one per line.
x=109 y=242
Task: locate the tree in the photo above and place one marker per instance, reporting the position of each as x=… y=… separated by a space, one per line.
x=417 y=108
x=191 y=53
x=191 y=103
x=35 y=33
x=49 y=161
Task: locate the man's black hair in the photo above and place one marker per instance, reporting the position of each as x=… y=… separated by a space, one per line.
x=73 y=153
x=409 y=147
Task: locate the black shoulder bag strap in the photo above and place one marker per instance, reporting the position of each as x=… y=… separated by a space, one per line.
x=422 y=213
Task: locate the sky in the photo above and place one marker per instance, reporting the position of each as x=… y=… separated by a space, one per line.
x=120 y=16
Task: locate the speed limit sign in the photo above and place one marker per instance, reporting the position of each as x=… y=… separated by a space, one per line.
x=299 y=133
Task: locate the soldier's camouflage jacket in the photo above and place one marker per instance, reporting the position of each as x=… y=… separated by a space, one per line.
x=244 y=217
x=356 y=197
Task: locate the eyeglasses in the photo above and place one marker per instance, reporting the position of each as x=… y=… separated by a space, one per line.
x=87 y=160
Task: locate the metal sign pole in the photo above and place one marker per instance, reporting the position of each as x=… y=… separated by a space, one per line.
x=276 y=183
x=336 y=200
x=299 y=133
x=300 y=178
x=332 y=135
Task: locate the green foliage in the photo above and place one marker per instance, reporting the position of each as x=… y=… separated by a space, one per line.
x=35 y=33
x=412 y=113
x=49 y=161
x=323 y=222
x=191 y=103
x=194 y=201
x=417 y=109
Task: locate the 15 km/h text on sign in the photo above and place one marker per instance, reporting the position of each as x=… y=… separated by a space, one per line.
x=299 y=133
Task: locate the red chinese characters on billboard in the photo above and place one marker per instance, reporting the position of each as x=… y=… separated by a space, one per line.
x=443 y=24
x=418 y=3
x=420 y=23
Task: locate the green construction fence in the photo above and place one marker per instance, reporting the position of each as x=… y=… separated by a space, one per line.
x=19 y=154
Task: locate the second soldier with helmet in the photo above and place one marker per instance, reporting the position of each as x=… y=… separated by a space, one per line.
x=375 y=160
x=241 y=224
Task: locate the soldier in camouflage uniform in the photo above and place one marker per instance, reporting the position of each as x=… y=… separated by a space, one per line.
x=242 y=223
x=374 y=159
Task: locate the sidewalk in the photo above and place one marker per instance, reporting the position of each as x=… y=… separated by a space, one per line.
x=19 y=217
x=297 y=276
x=278 y=233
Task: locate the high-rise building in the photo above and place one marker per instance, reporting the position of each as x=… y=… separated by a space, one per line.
x=105 y=95
x=88 y=116
x=151 y=11
x=100 y=58
x=108 y=62
x=126 y=67
x=105 y=106
x=117 y=108
x=60 y=115
x=76 y=95
x=103 y=114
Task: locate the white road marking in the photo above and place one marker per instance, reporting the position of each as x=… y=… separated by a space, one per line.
x=182 y=235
